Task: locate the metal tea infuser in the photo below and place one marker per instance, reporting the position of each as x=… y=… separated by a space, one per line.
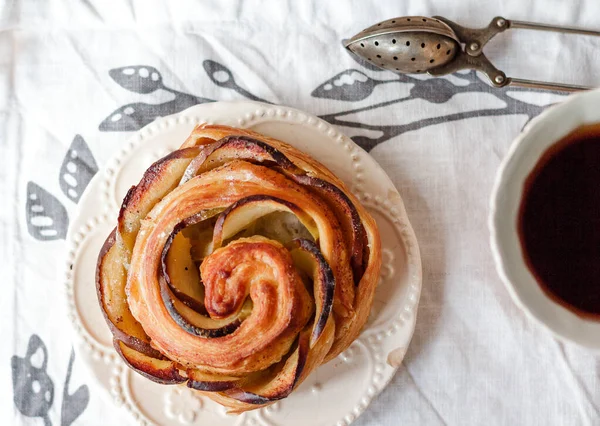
x=417 y=44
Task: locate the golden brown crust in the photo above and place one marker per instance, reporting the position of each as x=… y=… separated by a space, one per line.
x=250 y=317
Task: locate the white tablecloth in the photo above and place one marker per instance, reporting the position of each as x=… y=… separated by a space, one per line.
x=77 y=77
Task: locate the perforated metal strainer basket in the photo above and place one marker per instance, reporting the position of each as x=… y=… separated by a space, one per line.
x=417 y=44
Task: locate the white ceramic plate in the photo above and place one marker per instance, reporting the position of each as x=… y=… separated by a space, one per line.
x=336 y=393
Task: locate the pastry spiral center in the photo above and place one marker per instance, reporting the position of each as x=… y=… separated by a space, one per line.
x=242 y=269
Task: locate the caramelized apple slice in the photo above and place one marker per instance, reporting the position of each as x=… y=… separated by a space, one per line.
x=178 y=267
x=308 y=259
x=110 y=287
x=182 y=273
x=247 y=210
x=158 y=370
x=111 y=273
x=210 y=382
x=198 y=324
x=281 y=379
x=349 y=218
x=200 y=238
x=158 y=180
x=236 y=148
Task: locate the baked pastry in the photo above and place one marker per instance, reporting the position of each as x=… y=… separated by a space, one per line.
x=239 y=264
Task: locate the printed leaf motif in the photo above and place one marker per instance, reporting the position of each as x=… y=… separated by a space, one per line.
x=131 y=117
x=78 y=168
x=219 y=74
x=47 y=218
x=349 y=85
x=135 y=116
x=353 y=85
x=434 y=90
x=222 y=76
x=33 y=389
x=146 y=79
x=366 y=142
x=138 y=78
x=73 y=404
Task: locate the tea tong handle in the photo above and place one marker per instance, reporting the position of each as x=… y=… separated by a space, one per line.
x=520 y=82
x=476 y=39
x=545 y=27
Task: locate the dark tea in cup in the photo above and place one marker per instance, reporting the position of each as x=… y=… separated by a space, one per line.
x=559 y=221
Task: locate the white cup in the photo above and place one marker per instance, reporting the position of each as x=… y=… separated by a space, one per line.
x=525 y=152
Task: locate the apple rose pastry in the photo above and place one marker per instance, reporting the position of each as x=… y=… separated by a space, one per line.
x=239 y=265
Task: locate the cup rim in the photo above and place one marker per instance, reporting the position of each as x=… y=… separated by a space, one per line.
x=523 y=155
